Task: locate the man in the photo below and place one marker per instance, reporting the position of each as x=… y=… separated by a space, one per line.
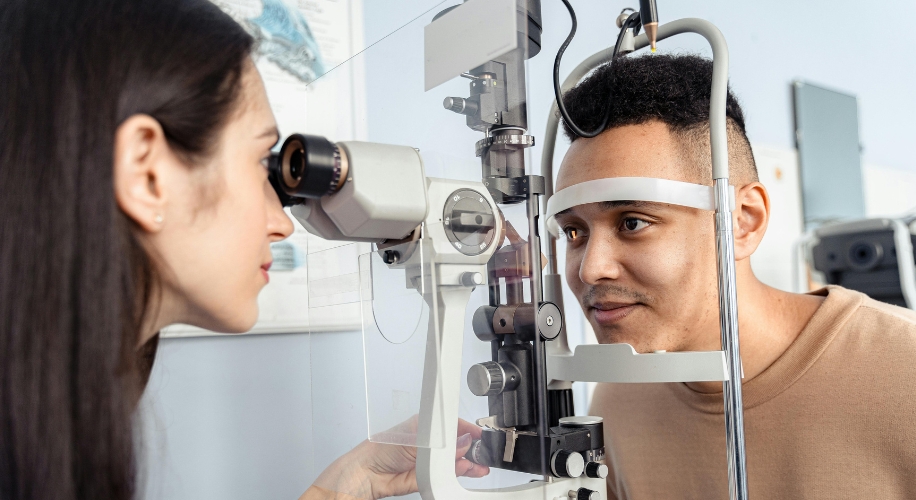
x=829 y=377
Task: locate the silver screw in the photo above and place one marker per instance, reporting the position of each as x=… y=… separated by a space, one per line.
x=549 y=320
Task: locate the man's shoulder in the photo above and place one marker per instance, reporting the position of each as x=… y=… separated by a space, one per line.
x=877 y=342
x=889 y=312
x=880 y=321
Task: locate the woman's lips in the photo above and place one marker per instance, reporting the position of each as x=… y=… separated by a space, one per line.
x=606 y=314
x=264 y=269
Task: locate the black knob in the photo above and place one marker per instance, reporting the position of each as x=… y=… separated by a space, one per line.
x=596 y=470
x=476 y=453
x=584 y=494
x=566 y=463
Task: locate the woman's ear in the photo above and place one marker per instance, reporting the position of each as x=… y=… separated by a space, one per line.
x=752 y=214
x=139 y=153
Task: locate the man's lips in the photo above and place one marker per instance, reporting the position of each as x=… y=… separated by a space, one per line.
x=264 y=269
x=611 y=312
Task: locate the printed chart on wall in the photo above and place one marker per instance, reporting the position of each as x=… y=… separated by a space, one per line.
x=298 y=43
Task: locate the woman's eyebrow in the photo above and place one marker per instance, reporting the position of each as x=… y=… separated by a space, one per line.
x=270 y=132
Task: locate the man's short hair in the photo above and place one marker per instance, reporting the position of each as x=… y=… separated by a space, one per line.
x=673 y=89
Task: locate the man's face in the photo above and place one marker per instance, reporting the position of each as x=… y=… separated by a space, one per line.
x=644 y=273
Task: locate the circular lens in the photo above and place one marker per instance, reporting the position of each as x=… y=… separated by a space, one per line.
x=296 y=164
x=865 y=255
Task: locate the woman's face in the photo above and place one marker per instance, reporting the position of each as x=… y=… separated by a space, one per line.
x=211 y=236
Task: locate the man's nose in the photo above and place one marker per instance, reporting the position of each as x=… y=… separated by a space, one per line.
x=600 y=261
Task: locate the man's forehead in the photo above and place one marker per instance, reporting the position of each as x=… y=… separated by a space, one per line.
x=645 y=150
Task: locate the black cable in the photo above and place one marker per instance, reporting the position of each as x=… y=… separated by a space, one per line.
x=631 y=22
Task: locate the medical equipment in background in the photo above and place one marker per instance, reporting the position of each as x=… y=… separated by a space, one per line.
x=872 y=256
x=829 y=154
x=451 y=236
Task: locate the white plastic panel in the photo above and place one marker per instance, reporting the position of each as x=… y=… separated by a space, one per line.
x=468 y=36
x=621 y=364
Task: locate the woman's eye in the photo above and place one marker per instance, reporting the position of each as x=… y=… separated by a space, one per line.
x=633 y=224
x=265 y=162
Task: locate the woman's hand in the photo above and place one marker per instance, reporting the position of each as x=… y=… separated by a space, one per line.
x=376 y=470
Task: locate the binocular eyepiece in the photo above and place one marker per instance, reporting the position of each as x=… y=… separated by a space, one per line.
x=307 y=166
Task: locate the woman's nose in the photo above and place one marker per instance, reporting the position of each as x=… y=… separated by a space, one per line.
x=279 y=225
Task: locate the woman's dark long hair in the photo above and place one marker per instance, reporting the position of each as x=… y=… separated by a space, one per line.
x=74 y=281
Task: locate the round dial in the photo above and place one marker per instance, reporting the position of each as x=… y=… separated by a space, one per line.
x=565 y=463
x=470 y=222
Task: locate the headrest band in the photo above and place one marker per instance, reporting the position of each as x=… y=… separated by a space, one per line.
x=632 y=189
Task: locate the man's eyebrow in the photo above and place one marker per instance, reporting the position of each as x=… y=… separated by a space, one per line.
x=624 y=203
x=610 y=205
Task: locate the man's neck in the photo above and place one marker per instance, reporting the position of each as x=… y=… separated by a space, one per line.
x=769 y=320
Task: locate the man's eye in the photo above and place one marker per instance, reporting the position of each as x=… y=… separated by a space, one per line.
x=572 y=233
x=265 y=162
x=633 y=224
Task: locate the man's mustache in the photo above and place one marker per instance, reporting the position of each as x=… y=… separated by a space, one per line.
x=604 y=292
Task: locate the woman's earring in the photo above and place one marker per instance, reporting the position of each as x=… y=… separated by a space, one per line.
x=158 y=219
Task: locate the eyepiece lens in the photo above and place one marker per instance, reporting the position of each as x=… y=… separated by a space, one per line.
x=297 y=164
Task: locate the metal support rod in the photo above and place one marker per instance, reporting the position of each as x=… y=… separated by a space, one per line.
x=515 y=292
x=540 y=350
x=728 y=326
x=728 y=302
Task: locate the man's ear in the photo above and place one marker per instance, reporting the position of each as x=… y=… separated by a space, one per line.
x=139 y=152
x=752 y=214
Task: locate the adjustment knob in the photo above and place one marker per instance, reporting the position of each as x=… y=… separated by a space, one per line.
x=455 y=104
x=596 y=470
x=460 y=105
x=486 y=379
x=566 y=463
x=584 y=494
x=471 y=279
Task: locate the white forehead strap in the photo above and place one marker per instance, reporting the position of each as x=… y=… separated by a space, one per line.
x=632 y=189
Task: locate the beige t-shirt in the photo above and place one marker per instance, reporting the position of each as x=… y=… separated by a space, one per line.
x=833 y=418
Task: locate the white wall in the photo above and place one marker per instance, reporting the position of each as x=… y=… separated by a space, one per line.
x=778 y=171
x=888 y=191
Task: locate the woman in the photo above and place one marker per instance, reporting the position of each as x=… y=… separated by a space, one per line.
x=134 y=138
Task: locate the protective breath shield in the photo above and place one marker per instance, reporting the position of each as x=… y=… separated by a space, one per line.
x=401 y=345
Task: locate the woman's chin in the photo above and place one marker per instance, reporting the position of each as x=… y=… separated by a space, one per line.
x=239 y=320
x=241 y=325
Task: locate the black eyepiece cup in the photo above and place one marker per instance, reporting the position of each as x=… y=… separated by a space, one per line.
x=309 y=166
x=274 y=176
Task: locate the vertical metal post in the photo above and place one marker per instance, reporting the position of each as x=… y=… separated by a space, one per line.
x=728 y=323
x=537 y=296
